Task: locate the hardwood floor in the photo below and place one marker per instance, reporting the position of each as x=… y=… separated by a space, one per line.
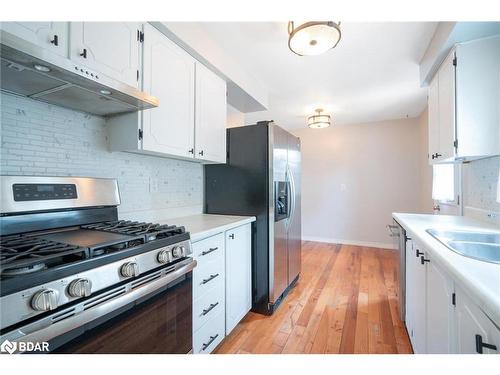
x=344 y=302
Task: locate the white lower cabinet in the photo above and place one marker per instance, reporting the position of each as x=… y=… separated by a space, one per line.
x=440 y=308
x=440 y=317
x=416 y=303
x=476 y=333
x=238 y=275
x=222 y=287
x=206 y=339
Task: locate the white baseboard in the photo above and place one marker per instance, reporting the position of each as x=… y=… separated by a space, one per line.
x=380 y=245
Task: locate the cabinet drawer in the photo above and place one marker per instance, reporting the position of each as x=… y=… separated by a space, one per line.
x=209 y=249
x=207 y=276
x=208 y=305
x=206 y=339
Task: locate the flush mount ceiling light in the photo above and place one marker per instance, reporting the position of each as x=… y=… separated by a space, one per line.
x=313 y=38
x=318 y=120
x=105 y=92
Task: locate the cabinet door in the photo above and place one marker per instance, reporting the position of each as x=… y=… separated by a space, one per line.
x=52 y=36
x=433 y=113
x=238 y=275
x=439 y=310
x=420 y=299
x=471 y=322
x=446 y=89
x=211 y=108
x=478 y=97
x=410 y=289
x=168 y=75
x=111 y=48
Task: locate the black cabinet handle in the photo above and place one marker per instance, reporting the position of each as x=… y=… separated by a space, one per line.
x=423 y=260
x=55 y=41
x=212 y=249
x=84 y=53
x=419 y=253
x=209 y=308
x=231 y=236
x=212 y=338
x=201 y=153
x=438 y=155
x=210 y=278
x=191 y=151
x=480 y=345
x=433 y=156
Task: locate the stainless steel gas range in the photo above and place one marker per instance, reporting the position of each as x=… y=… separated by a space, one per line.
x=75 y=279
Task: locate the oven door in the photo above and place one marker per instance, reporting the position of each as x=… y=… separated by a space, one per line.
x=150 y=314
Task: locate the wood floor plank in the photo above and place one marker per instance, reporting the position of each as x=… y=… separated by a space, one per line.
x=344 y=302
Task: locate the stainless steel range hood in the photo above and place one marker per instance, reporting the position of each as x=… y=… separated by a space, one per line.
x=29 y=70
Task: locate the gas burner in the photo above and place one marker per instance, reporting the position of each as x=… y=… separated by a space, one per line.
x=151 y=231
x=26 y=254
x=32 y=268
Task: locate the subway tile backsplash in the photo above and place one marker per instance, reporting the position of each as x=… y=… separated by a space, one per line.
x=47 y=140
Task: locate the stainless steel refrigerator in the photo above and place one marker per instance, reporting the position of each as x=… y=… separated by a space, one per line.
x=262 y=179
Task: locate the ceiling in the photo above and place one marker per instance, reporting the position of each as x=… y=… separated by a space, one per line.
x=372 y=75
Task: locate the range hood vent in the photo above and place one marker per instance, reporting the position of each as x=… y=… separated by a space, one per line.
x=29 y=70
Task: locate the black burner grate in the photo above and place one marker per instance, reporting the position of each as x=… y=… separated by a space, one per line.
x=149 y=230
x=21 y=254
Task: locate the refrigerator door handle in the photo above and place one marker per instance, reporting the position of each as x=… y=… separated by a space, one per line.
x=292 y=194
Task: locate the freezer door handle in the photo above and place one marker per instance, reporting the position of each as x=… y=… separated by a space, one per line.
x=292 y=193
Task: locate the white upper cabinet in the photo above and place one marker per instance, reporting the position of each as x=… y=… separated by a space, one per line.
x=110 y=48
x=52 y=36
x=169 y=75
x=446 y=88
x=211 y=108
x=433 y=112
x=478 y=97
x=464 y=103
x=190 y=121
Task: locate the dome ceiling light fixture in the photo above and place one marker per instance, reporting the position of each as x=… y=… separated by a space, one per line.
x=318 y=120
x=313 y=38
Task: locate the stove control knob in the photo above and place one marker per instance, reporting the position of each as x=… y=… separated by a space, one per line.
x=178 y=251
x=129 y=269
x=80 y=288
x=164 y=256
x=44 y=300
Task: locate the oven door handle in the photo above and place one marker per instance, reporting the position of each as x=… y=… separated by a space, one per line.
x=83 y=315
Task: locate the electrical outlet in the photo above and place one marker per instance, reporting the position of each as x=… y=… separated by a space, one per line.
x=343 y=187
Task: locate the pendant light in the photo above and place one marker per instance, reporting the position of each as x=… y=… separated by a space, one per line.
x=313 y=38
x=318 y=120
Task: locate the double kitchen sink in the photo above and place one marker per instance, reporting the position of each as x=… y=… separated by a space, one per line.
x=476 y=245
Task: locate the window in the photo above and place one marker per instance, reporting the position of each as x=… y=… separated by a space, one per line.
x=445 y=183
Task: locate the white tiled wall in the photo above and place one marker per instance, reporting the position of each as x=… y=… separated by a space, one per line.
x=481 y=180
x=43 y=139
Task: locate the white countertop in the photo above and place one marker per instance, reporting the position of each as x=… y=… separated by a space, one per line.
x=481 y=280
x=204 y=225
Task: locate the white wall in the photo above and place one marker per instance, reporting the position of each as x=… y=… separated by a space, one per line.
x=234 y=117
x=42 y=139
x=355 y=176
